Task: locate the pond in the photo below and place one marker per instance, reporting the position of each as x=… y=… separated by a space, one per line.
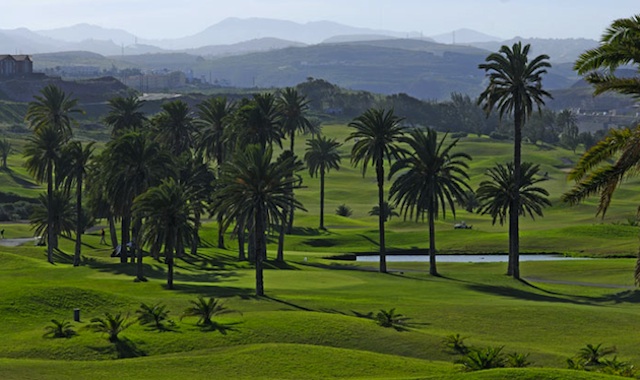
x=465 y=258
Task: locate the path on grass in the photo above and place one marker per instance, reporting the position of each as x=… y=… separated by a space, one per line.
x=17 y=242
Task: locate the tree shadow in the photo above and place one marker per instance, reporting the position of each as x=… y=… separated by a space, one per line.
x=222 y=328
x=20 y=180
x=307 y=231
x=298 y=307
x=121 y=349
x=275 y=264
x=506 y=291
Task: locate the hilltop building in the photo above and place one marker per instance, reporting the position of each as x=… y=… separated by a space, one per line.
x=11 y=65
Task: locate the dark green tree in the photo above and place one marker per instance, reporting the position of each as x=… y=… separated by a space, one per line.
x=431 y=179
x=376 y=138
x=515 y=88
x=322 y=155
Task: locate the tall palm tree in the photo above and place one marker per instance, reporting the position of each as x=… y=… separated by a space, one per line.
x=42 y=152
x=75 y=172
x=258 y=122
x=175 y=127
x=133 y=163
x=594 y=174
x=515 y=87
x=321 y=156
x=198 y=178
x=496 y=194
x=168 y=213
x=293 y=108
x=618 y=46
x=50 y=114
x=295 y=165
x=254 y=191
x=376 y=138
x=433 y=178
x=60 y=207
x=214 y=120
x=125 y=114
x=53 y=107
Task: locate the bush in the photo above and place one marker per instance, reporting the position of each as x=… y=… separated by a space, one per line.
x=390 y=318
x=479 y=359
x=344 y=210
x=59 y=329
x=455 y=342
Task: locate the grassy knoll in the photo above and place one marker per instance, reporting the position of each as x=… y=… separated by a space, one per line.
x=314 y=322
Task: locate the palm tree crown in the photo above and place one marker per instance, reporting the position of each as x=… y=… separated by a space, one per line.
x=125 y=114
x=496 y=195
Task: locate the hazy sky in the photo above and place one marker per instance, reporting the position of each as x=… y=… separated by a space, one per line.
x=179 y=18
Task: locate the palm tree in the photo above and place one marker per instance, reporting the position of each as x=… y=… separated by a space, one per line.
x=133 y=163
x=59 y=329
x=175 y=127
x=376 y=135
x=214 y=117
x=387 y=210
x=258 y=122
x=515 y=87
x=168 y=215
x=295 y=165
x=125 y=114
x=255 y=192
x=199 y=179
x=76 y=171
x=111 y=324
x=433 y=178
x=50 y=116
x=42 y=152
x=153 y=315
x=618 y=46
x=54 y=216
x=321 y=156
x=205 y=310
x=5 y=150
x=293 y=108
x=52 y=108
x=496 y=194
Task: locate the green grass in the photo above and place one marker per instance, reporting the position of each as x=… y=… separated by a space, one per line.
x=313 y=323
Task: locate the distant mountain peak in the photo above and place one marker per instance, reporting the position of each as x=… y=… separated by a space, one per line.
x=464 y=36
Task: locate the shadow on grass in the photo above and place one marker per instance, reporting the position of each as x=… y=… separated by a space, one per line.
x=206 y=290
x=21 y=181
x=298 y=307
x=122 y=349
x=307 y=231
x=222 y=328
x=507 y=291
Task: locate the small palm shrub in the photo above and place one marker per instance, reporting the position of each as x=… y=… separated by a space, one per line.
x=618 y=368
x=205 y=310
x=344 y=210
x=518 y=360
x=592 y=354
x=486 y=358
x=389 y=318
x=112 y=325
x=59 y=329
x=455 y=342
x=153 y=315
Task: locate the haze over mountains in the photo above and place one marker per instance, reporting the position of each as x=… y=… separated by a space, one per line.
x=266 y=34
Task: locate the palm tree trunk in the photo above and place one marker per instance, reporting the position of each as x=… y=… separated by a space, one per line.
x=50 y=232
x=322 y=199
x=76 y=256
x=112 y=231
x=252 y=244
x=241 y=240
x=138 y=249
x=168 y=253
x=260 y=250
x=281 y=233
x=514 y=228
x=432 y=240
x=124 y=230
x=195 y=242
x=380 y=177
x=291 y=209
x=220 y=232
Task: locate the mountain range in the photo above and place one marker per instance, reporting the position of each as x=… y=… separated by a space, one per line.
x=239 y=36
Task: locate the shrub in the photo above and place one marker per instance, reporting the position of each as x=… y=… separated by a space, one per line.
x=344 y=210
x=153 y=315
x=112 y=325
x=391 y=319
x=59 y=329
x=205 y=310
x=518 y=360
x=455 y=342
x=479 y=359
